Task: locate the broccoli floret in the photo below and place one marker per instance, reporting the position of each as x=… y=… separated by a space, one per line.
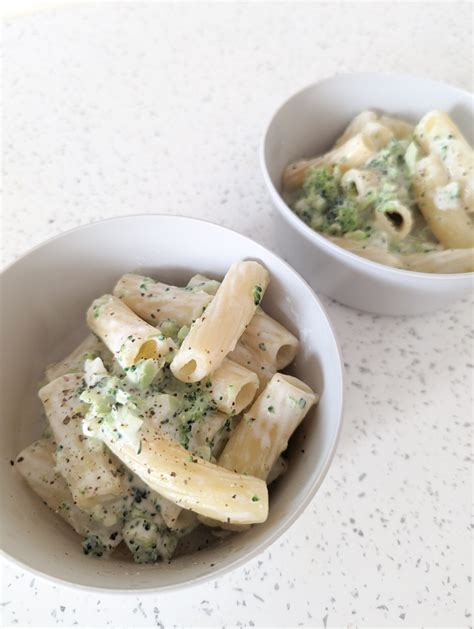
x=94 y=545
x=326 y=208
x=319 y=182
x=170 y=328
x=147 y=542
x=347 y=216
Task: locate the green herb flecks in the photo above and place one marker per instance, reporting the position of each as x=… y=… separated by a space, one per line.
x=257 y=294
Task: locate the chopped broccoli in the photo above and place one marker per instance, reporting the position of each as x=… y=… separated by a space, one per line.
x=320 y=183
x=169 y=328
x=324 y=206
x=147 y=542
x=257 y=294
x=390 y=158
x=95 y=546
x=347 y=216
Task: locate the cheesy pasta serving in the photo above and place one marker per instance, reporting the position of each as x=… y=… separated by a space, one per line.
x=393 y=193
x=171 y=415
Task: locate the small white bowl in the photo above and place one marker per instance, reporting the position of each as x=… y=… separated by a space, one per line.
x=306 y=125
x=44 y=299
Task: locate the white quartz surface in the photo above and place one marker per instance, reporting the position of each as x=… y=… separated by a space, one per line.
x=112 y=109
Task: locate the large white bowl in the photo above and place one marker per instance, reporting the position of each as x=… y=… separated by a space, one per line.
x=307 y=124
x=44 y=299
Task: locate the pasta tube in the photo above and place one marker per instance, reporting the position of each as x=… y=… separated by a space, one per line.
x=201 y=282
x=356 y=125
x=236 y=528
x=355 y=152
x=399 y=128
x=36 y=464
x=364 y=181
x=395 y=219
x=85 y=465
x=189 y=481
x=253 y=360
x=156 y=302
x=90 y=348
x=279 y=468
x=216 y=333
x=371 y=252
x=128 y=337
x=366 y=134
x=438 y=135
x=447 y=261
x=207 y=439
x=270 y=340
x=187 y=521
x=450 y=223
x=376 y=136
x=362 y=122
x=233 y=387
x=265 y=347
x=263 y=433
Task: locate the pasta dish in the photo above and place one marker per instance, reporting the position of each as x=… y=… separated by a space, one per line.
x=393 y=193
x=173 y=414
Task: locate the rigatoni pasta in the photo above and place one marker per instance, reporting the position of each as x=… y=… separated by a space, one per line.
x=128 y=337
x=446 y=261
x=156 y=302
x=232 y=387
x=392 y=192
x=279 y=468
x=91 y=347
x=201 y=282
x=254 y=360
x=355 y=152
x=270 y=340
x=143 y=450
x=440 y=206
x=265 y=347
x=263 y=434
x=437 y=134
x=217 y=331
x=84 y=463
x=36 y=464
x=191 y=482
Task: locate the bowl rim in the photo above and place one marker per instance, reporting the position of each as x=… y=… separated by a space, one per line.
x=285 y=524
x=318 y=239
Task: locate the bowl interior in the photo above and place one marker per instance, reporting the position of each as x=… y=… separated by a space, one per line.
x=44 y=299
x=309 y=122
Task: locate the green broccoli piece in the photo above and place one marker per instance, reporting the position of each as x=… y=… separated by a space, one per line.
x=320 y=183
x=331 y=211
x=95 y=546
x=147 y=542
x=347 y=216
x=170 y=328
x=391 y=159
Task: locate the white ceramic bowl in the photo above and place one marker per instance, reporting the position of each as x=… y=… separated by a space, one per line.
x=44 y=299
x=307 y=124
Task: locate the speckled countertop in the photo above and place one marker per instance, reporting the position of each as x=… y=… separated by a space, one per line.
x=113 y=109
